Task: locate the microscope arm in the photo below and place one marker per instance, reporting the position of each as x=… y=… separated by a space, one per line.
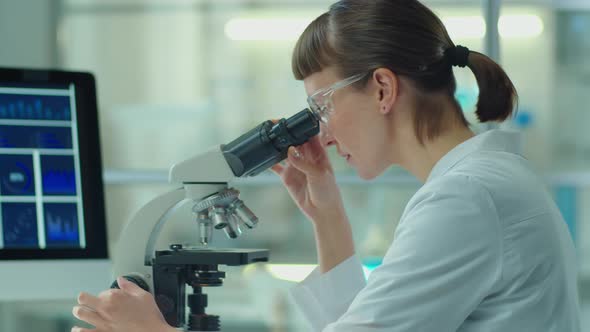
x=137 y=244
x=130 y=252
x=202 y=175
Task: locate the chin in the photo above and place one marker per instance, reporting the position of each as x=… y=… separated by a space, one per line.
x=367 y=174
x=370 y=173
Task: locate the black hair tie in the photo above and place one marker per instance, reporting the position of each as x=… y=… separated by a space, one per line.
x=458 y=55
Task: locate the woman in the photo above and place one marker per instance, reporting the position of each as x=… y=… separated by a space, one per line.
x=480 y=247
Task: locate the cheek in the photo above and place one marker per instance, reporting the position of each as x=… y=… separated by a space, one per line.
x=373 y=147
x=361 y=131
x=340 y=123
x=347 y=132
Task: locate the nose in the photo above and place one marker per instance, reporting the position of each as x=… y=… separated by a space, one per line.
x=326 y=138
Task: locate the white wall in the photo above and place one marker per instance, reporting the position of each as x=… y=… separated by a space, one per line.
x=27 y=33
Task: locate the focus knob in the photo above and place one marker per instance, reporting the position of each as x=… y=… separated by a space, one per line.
x=134 y=279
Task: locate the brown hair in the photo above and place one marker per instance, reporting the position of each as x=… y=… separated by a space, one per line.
x=359 y=36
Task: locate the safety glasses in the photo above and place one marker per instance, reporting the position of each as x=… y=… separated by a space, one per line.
x=320 y=102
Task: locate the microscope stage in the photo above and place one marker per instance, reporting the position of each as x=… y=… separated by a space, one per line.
x=211 y=256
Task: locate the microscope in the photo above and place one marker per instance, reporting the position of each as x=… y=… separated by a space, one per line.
x=163 y=259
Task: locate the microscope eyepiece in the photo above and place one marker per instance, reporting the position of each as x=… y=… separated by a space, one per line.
x=267 y=144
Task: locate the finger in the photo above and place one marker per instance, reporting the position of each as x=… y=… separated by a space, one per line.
x=129 y=286
x=293 y=178
x=296 y=152
x=81 y=329
x=315 y=152
x=311 y=162
x=324 y=135
x=89 y=316
x=278 y=169
x=298 y=160
x=316 y=143
x=316 y=147
x=88 y=300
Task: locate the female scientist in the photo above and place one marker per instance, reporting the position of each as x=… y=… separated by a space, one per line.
x=480 y=247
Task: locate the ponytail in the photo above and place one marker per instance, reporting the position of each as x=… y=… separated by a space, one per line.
x=497 y=95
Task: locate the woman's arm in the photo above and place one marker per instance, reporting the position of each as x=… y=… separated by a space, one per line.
x=333 y=241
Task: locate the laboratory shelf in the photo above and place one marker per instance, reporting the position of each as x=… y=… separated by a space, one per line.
x=578 y=179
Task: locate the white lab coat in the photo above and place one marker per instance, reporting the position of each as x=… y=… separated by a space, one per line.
x=480 y=247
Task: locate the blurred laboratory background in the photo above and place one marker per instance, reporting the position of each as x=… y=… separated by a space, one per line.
x=175 y=77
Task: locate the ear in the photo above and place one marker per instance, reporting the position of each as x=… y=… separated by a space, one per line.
x=387 y=87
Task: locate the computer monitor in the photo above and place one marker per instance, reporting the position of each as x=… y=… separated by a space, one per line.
x=52 y=216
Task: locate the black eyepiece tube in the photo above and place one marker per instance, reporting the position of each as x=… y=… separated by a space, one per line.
x=267 y=144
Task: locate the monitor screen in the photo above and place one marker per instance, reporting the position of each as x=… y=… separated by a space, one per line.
x=51 y=195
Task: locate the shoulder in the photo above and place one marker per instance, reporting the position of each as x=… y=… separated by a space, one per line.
x=451 y=215
x=452 y=189
x=451 y=204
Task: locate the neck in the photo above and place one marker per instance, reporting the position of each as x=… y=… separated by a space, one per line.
x=420 y=159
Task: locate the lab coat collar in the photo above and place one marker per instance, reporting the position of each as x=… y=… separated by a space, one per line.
x=492 y=140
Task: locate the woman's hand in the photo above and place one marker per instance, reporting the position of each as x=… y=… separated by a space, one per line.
x=129 y=309
x=308 y=176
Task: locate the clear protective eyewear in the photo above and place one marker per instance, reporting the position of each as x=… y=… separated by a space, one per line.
x=320 y=102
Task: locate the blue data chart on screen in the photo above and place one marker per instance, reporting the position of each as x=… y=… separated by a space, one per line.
x=59 y=175
x=35 y=137
x=34 y=107
x=40 y=194
x=61 y=224
x=19 y=225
